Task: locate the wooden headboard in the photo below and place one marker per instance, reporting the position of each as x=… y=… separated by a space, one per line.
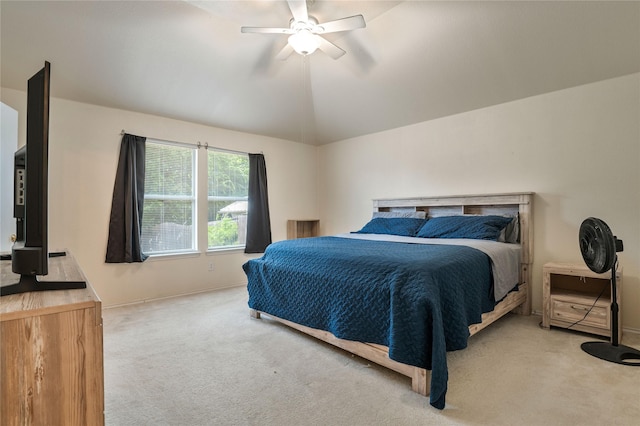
x=520 y=203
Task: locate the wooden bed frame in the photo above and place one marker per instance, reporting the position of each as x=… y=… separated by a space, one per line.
x=518 y=301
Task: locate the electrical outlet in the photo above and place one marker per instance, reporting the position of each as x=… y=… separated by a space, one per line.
x=210 y=266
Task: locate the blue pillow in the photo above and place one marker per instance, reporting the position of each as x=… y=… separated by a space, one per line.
x=473 y=227
x=404 y=226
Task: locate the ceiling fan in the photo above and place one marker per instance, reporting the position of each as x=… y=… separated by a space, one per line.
x=305 y=32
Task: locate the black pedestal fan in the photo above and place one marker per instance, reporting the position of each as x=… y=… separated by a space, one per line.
x=599 y=247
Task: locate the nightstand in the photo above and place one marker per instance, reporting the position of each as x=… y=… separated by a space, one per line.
x=569 y=291
x=302 y=228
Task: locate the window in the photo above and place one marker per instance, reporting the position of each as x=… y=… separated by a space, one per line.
x=169 y=215
x=228 y=189
x=170 y=198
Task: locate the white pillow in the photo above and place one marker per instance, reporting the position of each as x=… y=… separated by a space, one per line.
x=511 y=232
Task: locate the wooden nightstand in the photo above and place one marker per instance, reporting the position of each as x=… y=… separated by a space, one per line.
x=302 y=228
x=569 y=291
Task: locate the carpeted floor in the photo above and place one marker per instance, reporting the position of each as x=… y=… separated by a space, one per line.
x=200 y=360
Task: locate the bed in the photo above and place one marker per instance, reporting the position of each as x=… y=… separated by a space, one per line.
x=403 y=300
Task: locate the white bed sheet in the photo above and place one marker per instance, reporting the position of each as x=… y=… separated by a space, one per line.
x=505 y=257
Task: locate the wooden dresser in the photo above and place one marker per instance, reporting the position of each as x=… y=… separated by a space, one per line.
x=51 y=358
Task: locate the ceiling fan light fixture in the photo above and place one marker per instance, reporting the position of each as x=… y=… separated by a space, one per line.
x=306 y=34
x=304 y=42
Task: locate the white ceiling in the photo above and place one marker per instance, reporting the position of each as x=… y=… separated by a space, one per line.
x=415 y=60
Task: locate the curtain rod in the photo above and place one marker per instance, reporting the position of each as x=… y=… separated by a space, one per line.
x=199 y=145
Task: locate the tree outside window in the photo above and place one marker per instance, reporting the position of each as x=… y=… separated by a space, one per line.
x=228 y=189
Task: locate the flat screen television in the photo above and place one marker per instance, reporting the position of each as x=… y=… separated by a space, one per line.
x=29 y=254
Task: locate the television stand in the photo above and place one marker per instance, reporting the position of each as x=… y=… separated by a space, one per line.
x=52 y=357
x=51 y=254
x=30 y=283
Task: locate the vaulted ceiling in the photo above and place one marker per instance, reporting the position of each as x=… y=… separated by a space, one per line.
x=414 y=61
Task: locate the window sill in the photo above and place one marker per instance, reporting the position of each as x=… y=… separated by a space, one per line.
x=177 y=255
x=229 y=249
x=187 y=254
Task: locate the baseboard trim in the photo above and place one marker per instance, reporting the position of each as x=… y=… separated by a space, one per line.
x=173 y=296
x=630 y=330
x=208 y=290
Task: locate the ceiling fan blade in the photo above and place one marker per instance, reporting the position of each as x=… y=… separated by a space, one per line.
x=286 y=51
x=263 y=30
x=344 y=24
x=329 y=48
x=299 y=10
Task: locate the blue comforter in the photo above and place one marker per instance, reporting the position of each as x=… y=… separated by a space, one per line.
x=416 y=299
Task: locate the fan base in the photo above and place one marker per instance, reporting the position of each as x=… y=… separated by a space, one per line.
x=619 y=354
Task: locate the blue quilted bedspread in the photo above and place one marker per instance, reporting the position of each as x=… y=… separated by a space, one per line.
x=416 y=299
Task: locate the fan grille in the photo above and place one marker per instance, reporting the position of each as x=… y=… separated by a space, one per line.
x=597 y=245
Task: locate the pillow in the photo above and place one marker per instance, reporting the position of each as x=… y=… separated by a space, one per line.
x=473 y=227
x=408 y=213
x=511 y=232
x=403 y=226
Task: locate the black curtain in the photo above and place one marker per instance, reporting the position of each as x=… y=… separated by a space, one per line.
x=258 y=222
x=123 y=245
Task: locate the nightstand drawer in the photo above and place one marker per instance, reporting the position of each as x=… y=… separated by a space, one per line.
x=571 y=311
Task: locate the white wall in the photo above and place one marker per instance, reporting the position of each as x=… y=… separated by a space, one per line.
x=84 y=143
x=577 y=149
x=8 y=146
